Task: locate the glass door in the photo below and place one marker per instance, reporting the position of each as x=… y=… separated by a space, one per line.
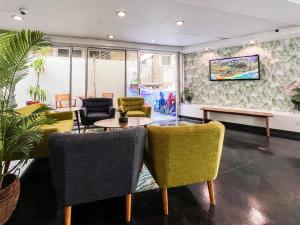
x=78 y=75
x=158 y=73
x=132 y=77
x=106 y=73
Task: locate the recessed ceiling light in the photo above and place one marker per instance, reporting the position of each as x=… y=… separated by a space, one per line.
x=152 y=41
x=17 y=17
x=294 y=1
x=180 y=23
x=111 y=36
x=121 y=13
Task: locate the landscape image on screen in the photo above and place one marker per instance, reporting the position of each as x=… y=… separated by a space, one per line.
x=236 y=68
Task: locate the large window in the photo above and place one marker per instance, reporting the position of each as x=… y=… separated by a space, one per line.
x=93 y=71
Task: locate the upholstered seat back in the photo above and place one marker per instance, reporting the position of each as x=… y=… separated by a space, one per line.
x=94 y=166
x=132 y=103
x=182 y=155
x=97 y=104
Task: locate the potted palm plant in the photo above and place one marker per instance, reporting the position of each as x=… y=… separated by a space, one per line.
x=36 y=93
x=18 y=134
x=188 y=94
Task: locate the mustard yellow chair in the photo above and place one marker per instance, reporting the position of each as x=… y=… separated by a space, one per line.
x=64 y=124
x=183 y=155
x=136 y=106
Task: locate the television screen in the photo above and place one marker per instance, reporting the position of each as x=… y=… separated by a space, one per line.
x=235 y=68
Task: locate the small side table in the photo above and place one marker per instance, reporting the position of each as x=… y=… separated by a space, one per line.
x=71 y=109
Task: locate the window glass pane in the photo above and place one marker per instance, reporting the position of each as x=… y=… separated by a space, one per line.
x=78 y=75
x=132 y=73
x=53 y=80
x=158 y=74
x=106 y=73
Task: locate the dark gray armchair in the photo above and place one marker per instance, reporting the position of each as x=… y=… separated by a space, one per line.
x=95 y=166
x=95 y=109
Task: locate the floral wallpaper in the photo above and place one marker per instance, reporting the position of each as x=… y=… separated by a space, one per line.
x=279 y=66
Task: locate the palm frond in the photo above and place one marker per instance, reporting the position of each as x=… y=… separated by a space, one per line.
x=15 y=49
x=18 y=134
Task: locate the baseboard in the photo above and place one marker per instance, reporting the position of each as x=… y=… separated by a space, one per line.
x=254 y=129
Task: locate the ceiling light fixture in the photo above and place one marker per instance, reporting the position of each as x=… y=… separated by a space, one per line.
x=252 y=42
x=121 y=13
x=180 y=23
x=111 y=36
x=152 y=41
x=17 y=17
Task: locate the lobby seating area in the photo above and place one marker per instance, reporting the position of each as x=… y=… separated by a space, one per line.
x=149 y=112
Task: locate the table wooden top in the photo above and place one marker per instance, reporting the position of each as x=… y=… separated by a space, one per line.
x=67 y=109
x=132 y=122
x=237 y=111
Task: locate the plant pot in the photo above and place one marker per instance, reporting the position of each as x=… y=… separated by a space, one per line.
x=188 y=99
x=32 y=102
x=296 y=105
x=9 y=196
x=123 y=119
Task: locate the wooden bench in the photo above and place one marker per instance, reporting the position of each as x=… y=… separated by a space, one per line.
x=265 y=115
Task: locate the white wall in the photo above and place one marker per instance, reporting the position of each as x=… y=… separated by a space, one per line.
x=281 y=120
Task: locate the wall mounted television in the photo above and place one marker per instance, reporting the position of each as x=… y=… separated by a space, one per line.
x=235 y=68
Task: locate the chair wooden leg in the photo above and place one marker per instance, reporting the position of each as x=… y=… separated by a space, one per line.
x=6 y=166
x=210 y=186
x=128 y=207
x=68 y=210
x=165 y=200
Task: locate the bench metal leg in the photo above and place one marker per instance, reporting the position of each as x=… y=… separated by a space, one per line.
x=267 y=126
x=204 y=116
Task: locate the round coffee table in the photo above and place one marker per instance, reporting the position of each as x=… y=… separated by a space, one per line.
x=132 y=122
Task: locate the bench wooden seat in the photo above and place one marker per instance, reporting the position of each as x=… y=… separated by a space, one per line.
x=265 y=115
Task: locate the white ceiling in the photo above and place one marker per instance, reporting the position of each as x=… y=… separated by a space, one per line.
x=146 y=20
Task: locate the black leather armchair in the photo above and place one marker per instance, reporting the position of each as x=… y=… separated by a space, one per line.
x=95 y=109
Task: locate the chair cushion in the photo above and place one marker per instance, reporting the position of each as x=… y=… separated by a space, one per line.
x=136 y=114
x=95 y=116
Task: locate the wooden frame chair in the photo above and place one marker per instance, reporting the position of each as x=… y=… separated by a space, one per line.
x=64 y=97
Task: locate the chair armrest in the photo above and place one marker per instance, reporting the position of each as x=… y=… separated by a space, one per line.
x=111 y=111
x=83 y=115
x=47 y=129
x=61 y=115
x=147 y=109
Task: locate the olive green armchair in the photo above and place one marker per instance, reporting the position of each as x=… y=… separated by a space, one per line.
x=64 y=124
x=183 y=155
x=136 y=106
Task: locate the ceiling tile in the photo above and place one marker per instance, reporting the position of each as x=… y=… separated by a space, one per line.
x=85 y=29
x=87 y=10
x=147 y=20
